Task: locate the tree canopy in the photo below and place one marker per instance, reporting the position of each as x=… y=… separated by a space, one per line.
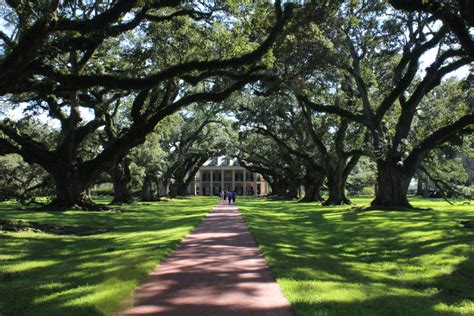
x=146 y=91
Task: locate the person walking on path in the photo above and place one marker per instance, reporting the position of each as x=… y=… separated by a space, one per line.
x=234 y=195
x=225 y=195
x=229 y=196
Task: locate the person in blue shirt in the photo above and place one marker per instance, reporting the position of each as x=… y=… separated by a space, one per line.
x=229 y=196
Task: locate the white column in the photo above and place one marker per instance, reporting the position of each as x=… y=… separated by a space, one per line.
x=233 y=180
x=244 y=192
x=212 y=184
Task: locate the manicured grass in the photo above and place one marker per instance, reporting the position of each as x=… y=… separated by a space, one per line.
x=46 y=274
x=335 y=261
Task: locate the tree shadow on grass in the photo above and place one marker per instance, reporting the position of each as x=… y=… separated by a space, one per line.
x=399 y=261
x=383 y=305
x=42 y=274
x=431 y=297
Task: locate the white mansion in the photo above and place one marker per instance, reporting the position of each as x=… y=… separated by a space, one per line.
x=223 y=173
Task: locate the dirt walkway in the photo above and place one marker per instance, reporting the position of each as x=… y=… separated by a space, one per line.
x=216 y=270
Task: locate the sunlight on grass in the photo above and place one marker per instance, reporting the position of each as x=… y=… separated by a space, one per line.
x=27 y=265
x=45 y=274
x=338 y=261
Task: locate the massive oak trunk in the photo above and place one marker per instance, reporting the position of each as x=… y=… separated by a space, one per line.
x=182 y=189
x=278 y=187
x=392 y=186
x=121 y=178
x=284 y=188
x=71 y=190
x=336 y=190
x=312 y=188
x=173 y=190
x=292 y=192
x=312 y=192
x=336 y=184
x=186 y=174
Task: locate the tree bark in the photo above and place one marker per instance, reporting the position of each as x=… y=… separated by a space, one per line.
x=337 y=195
x=188 y=173
x=312 y=188
x=173 y=190
x=71 y=191
x=121 y=178
x=181 y=190
x=337 y=184
x=279 y=188
x=392 y=186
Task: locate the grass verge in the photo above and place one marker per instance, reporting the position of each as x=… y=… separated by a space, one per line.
x=50 y=274
x=335 y=261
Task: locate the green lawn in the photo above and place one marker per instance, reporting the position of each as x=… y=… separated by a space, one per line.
x=335 y=261
x=46 y=274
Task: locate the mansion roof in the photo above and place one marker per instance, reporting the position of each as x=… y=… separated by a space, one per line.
x=221 y=161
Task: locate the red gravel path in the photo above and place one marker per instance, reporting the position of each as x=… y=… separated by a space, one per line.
x=216 y=270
